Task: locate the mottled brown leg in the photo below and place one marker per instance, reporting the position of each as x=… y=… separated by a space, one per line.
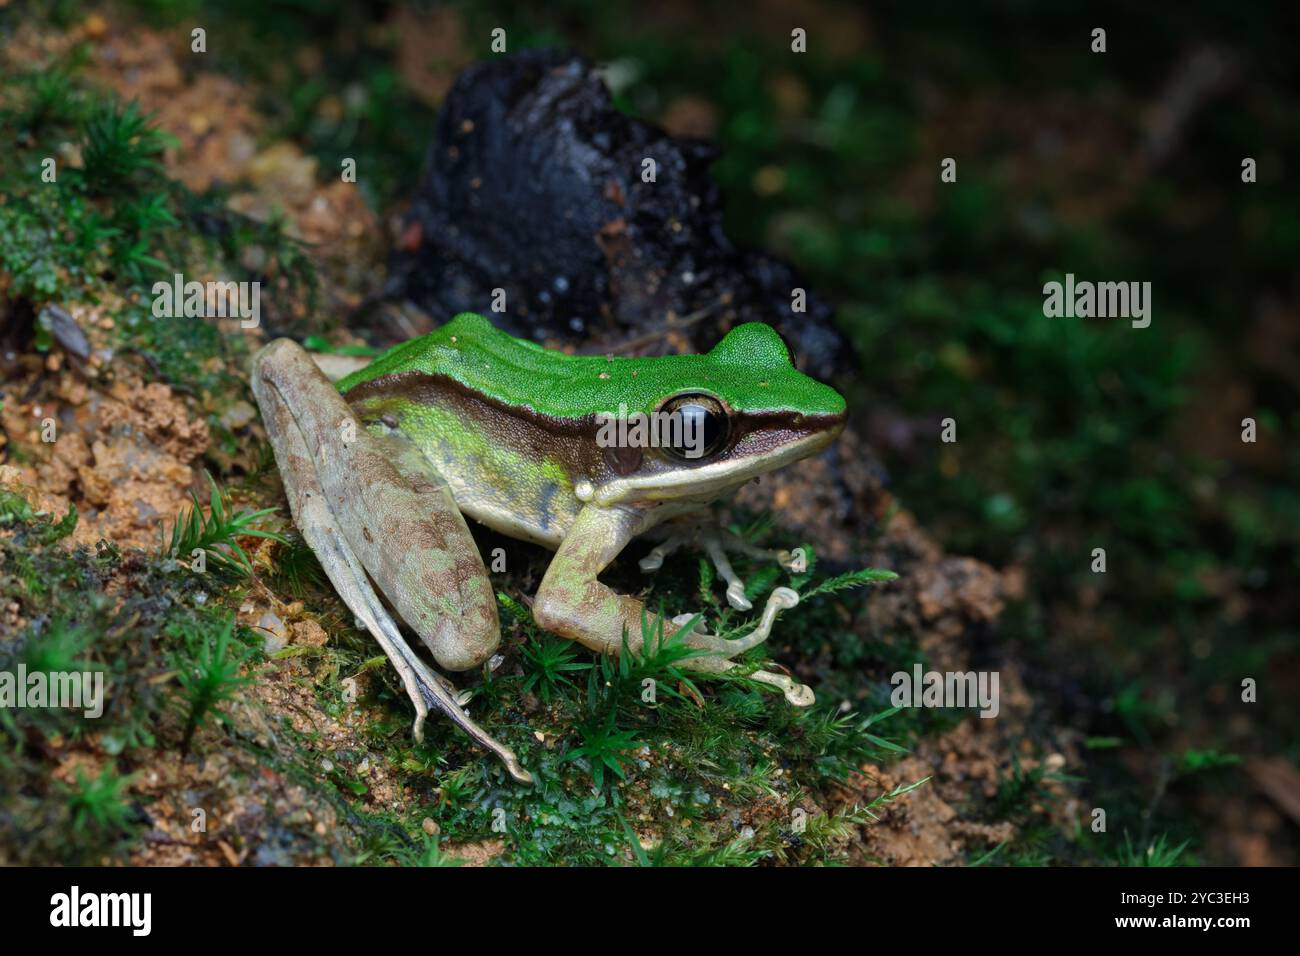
x=332 y=469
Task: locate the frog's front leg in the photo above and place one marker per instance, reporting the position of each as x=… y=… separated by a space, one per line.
x=571 y=602
x=365 y=517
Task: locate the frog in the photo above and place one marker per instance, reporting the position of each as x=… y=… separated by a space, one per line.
x=381 y=467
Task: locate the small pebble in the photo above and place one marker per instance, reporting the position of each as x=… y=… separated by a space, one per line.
x=275 y=636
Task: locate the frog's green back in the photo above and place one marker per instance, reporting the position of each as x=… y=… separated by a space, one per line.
x=750 y=369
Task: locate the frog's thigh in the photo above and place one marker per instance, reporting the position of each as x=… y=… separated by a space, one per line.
x=400 y=521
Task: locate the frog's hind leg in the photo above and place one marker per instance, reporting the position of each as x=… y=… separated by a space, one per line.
x=340 y=484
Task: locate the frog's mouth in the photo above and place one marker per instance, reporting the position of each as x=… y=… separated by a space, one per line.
x=759 y=448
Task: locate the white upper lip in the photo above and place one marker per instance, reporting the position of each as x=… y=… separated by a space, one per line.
x=716 y=476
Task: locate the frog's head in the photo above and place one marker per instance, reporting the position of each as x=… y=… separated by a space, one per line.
x=731 y=415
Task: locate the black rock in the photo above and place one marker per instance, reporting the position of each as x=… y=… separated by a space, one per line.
x=533 y=185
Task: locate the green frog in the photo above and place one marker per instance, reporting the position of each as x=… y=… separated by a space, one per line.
x=381 y=468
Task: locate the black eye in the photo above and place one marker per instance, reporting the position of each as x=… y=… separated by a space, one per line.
x=697 y=427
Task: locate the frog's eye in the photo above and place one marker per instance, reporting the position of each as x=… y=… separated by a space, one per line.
x=696 y=427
